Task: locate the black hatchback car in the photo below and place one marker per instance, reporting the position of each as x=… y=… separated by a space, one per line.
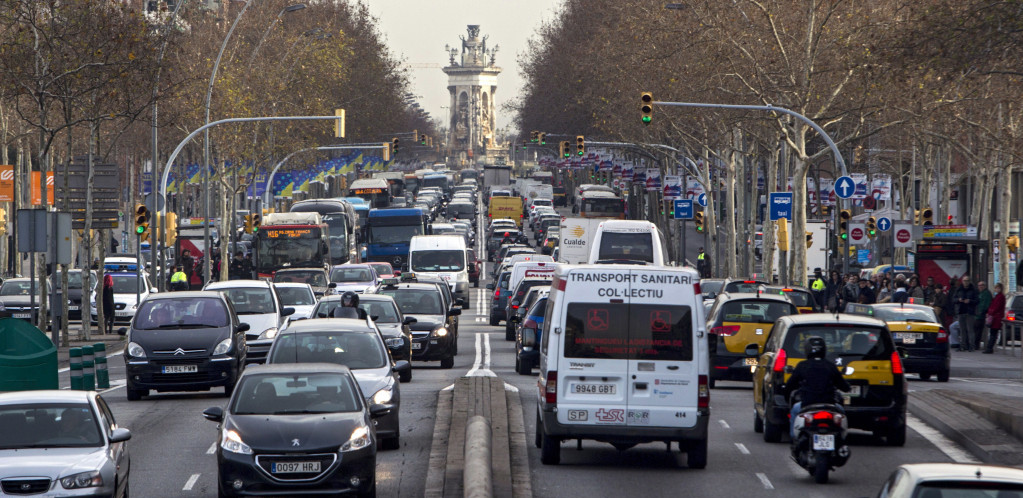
x=296 y=429
x=184 y=341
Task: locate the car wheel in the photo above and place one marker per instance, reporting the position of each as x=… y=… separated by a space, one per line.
x=696 y=454
x=405 y=376
x=772 y=432
x=372 y=493
x=391 y=443
x=550 y=449
x=523 y=367
x=897 y=436
x=943 y=376
x=711 y=383
x=494 y=321
x=758 y=423
x=925 y=376
x=135 y=394
x=220 y=491
x=509 y=335
x=536 y=433
x=228 y=389
x=448 y=362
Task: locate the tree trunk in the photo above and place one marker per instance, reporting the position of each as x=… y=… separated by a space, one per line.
x=767 y=248
x=710 y=222
x=729 y=217
x=797 y=252
x=1005 y=203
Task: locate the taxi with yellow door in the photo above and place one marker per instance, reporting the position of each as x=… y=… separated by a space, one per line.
x=800 y=296
x=736 y=320
x=916 y=329
x=861 y=346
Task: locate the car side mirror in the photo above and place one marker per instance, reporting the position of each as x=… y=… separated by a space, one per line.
x=455 y=312
x=332 y=285
x=377 y=411
x=459 y=302
x=120 y=435
x=902 y=352
x=528 y=338
x=409 y=320
x=752 y=351
x=401 y=366
x=152 y=290
x=214 y=414
x=288 y=311
x=242 y=327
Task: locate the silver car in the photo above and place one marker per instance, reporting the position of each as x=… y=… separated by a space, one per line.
x=936 y=480
x=63 y=443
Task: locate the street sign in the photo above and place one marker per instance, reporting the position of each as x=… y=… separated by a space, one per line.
x=845 y=187
x=683 y=209
x=903 y=234
x=702 y=199
x=781 y=205
x=884 y=224
x=950 y=231
x=858 y=234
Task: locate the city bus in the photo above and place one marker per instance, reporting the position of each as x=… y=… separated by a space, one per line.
x=375 y=191
x=600 y=204
x=291 y=240
x=341 y=220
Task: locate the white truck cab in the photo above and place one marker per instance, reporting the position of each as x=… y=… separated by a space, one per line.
x=628 y=242
x=623 y=360
x=443 y=256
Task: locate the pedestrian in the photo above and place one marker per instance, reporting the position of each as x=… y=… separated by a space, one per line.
x=916 y=291
x=995 y=312
x=866 y=295
x=170 y=275
x=940 y=304
x=850 y=292
x=929 y=291
x=703 y=264
x=241 y=268
x=983 y=302
x=819 y=288
x=108 y=304
x=884 y=292
x=833 y=286
x=187 y=265
x=900 y=294
x=965 y=300
x=179 y=280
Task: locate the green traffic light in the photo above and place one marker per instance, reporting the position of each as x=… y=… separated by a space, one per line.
x=647 y=119
x=140 y=229
x=580 y=153
x=845 y=236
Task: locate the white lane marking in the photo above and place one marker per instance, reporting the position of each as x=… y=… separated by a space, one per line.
x=742 y=448
x=114 y=384
x=481 y=365
x=764 y=480
x=212 y=449
x=510 y=388
x=486 y=351
x=190 y=482
x=947 y=446
x=476 y=362
x=724 y=424
x=111 y=355
x=449 y=388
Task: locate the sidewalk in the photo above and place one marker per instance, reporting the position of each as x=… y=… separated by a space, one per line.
x=1002 y=364
x=114 y=343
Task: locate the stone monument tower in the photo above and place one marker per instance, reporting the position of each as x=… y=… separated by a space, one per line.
x=472 y=82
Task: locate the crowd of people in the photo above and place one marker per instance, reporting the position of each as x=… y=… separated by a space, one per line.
x=970 y=311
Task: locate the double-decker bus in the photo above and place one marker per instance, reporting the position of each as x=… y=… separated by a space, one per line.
x=291 y=240
x=600 y=204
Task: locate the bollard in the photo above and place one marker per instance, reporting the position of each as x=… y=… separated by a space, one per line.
x=88 y=369
x=478 y=473
x=102 y=375
x=76 y=368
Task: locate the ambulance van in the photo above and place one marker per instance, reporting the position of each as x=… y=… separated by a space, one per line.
x=623 y=360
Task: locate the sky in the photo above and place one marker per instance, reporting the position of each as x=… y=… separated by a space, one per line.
x=417 y=30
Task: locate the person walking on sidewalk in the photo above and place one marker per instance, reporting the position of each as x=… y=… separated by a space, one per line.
x=965 y=301
x=703 y=264
x=108 y=304
x=995 y=312
x=983 y=302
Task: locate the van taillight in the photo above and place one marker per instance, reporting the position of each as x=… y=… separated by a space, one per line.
x=703 y=393
x=896 y=363
x=942 y=336
x=779 y=361
x=551 y=390
x=696 y=288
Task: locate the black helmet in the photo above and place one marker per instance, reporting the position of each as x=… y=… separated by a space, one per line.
x=350 y=299
x=816 y=348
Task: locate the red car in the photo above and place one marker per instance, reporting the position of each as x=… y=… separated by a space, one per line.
x=475 y=267
x=384 y=270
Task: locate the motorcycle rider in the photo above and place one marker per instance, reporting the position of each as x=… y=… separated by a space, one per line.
x=349 y=307
x=816 y=380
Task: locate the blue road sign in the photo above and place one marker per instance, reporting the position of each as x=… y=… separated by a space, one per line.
x=683 y=209
x=702 y=199
x=845 y=187
x=884 y=224
x=780 y=204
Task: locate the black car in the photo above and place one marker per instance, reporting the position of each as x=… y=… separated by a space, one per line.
x=296 y=429
x=184 y=341
x=516 y=299
x=16 y=296
x=431 y=339
x=74 y=291
x=500 y=299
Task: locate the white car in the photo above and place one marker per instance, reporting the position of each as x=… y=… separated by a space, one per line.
x=299 y=296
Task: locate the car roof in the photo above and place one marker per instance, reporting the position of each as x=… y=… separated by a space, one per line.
x=414 y=285
x=185 y=295
x=735 y=296
x=329 y=324
x=351 y=265
x=289 y=270
x=270 y=368
x=291 y=284
x=789 y=287
x=234 y=284
x=44 y=396
x=833 y=318
x=970 y=471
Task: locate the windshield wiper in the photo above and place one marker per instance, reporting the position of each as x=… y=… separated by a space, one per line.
x=253 y=312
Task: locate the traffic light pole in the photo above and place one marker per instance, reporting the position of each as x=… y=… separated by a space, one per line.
x=138 y=270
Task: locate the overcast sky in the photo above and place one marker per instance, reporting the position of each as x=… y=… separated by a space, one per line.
x=417 y=30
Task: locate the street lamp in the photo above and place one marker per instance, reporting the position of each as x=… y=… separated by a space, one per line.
x=290 y=8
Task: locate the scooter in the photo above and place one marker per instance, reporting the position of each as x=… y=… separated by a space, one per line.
x=820 y=445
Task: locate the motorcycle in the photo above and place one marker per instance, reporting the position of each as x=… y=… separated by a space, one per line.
x=819 y=445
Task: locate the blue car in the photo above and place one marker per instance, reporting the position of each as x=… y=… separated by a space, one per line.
x=528 y=357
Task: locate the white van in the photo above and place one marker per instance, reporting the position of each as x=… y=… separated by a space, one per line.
x=530 y=269
x=623 y=360
x=628 y=242
x=443 y=256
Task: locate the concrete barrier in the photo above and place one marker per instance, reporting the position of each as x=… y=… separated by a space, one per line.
x=478 y=477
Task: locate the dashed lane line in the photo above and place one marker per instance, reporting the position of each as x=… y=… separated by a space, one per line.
x=212 y=449
x=764 y=480
x=724 y=424
x=190 y=483
x=742 y=448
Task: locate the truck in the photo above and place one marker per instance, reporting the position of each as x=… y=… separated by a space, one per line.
x=576 y=238
x=816 y=254
x=388 y=232
x=496 y=175
x=506 y=207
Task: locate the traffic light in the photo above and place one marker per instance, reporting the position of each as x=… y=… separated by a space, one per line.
x=248 y=223
x=580 y=145
x=783 y=234
x=385 y=151
x=916 y=216
x=534 y=136
x=566 y=150
x=525 y=143
x=927 y=217
x=698 y=219
x=257 y=220
x=142 y=221
x=543 y=138
x=1012 y=243
x=809 y=239
x=422 y=139
x=3 y=221
x=394 y=145
x=339 y=123
x=843 y=223
x=646 y=107
x=871 y=227
x=171 y=229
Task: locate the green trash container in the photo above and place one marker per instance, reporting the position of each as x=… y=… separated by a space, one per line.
x=28 y=360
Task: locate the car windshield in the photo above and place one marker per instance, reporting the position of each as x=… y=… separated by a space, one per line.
x=383 y=268
x=741 y=286
x=17 y=288
x=128 y=284
x=251 y=300
x=354 y=349
x=634 y=246
x=968 y=489
x=397 y=234
x=287 y=394
x=711 y=286
x=755 y=311
x=312 y=277
x=441 y=260
x=380 y=311
x=342 y=275
x=74 y=280
x=850 y=343
x=798 y=297
x=183 y=313
x=296 y=296
x=48 y=425
x=416 y=301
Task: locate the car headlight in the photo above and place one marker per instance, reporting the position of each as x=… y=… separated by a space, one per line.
x=383 y=396
x=358 y=440
x=269 y=333
x=441 y=332
x=135 y=350
x=395 y=342
x=89 y=479
x=223 y=347
x=231 y=441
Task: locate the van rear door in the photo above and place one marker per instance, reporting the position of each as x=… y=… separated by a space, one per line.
x=663 y=373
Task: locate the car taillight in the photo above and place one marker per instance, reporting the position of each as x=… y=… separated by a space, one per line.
x=725 y=330
x=1010 y=316
x=779 y=361
x=942 y=336
x=551 y=390
x=703 y=392
x=497 y=294
x=515 y=306
x=896 y=363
